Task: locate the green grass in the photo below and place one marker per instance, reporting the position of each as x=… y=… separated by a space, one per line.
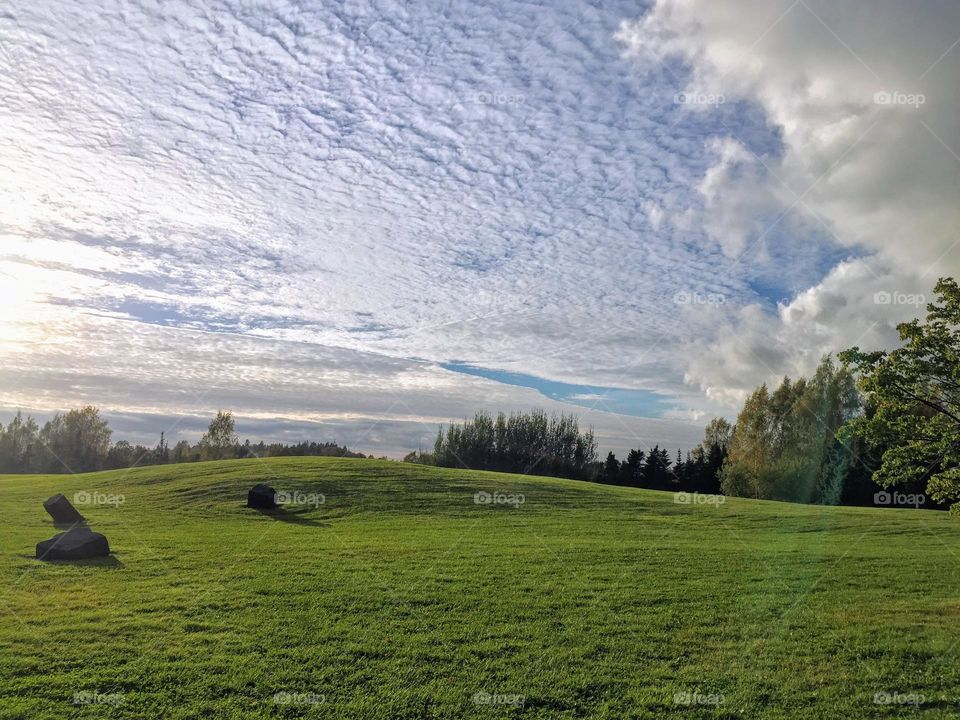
x=402 y=598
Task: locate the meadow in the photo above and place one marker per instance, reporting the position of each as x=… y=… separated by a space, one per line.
x=389 y=590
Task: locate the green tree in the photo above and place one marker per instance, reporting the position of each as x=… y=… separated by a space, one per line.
x=631 y=467
x=611 y=469
x=20 y=446
x=523 y=442
x=914 y=393
x=121 y=455
x=717 y=434
x=785 y=445
x=656 y=472
x=161 y=455
x=77 y=442
x=744 y=472
x=221 y=438
x=182 y=452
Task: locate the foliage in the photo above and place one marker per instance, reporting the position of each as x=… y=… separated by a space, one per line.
x=220 y=438
x=717 y=434
x=656 y=473
x=418 y=457
x=914 y=394
x=79 y=441
x=785 y=445
x=523 y=442
x=20 y=447
x=303 y=449
x=654 y=469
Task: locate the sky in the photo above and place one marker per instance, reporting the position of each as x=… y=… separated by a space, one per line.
x=357 y=221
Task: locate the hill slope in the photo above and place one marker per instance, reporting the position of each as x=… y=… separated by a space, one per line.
x=401 y=597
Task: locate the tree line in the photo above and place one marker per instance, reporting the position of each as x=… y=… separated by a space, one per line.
x=798 y=443
x=791 y=444
x=535 y=443
x=654 y=469
x=521 y=442
x=880 y=421
x=874 y=422
x=80 y=441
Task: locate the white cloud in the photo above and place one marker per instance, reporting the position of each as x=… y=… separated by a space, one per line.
x=860 y=160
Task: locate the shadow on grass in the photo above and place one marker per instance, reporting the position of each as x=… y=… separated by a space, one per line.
x=110 y=562
x=940 y=704
x=296 y=518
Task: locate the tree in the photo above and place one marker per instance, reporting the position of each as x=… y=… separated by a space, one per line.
x=523 y=442
x=418 y=457
x=701 y=470
x=121 y=455
x=630 y=468
x=77 y=442
x=717 y=434
x=743 y=473
x=785 y=445
x=655 y=473
x=161 y=455
x=914 y=394
x=20 y=446
x=182 y=452
x=221 y=437
x=611 y=470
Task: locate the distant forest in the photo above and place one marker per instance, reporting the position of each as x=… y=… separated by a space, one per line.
x=538 y=444
x=880 y=428
x=784 y=446
x=80 y=441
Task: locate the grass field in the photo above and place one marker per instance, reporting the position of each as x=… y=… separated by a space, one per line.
x=401 y=597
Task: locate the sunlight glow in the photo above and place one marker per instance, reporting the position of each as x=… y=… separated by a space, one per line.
x=17 y=306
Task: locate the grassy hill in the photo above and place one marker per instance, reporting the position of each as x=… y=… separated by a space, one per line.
x=400 y=597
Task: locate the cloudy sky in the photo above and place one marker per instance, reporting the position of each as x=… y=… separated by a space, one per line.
x=358 y=220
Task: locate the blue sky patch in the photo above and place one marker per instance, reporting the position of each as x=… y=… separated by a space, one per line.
x=638 y=403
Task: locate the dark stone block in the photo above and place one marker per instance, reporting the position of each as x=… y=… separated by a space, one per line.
x=262 y=497
x=79 y=543
x=62 y=512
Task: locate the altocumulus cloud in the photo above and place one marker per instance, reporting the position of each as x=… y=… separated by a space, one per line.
x=155 y=378
x=302 y=212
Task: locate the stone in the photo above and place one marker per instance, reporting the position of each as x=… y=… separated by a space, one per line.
x=79 y=543
x=262 y=497
x=62 y=512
